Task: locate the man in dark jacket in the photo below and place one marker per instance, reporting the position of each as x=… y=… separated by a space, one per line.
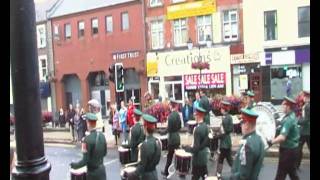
x=94 y=148
x=70 y=118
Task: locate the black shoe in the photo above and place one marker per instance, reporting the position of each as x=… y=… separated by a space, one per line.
x=164 y=174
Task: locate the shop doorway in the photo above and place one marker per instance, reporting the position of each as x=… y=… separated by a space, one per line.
x=255 y=85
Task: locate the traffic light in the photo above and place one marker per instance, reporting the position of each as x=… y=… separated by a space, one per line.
x=119 y=80
x=111 y=73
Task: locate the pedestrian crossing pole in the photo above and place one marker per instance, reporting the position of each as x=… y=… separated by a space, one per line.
x=31 y=161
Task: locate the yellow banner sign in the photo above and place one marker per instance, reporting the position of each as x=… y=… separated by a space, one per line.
x=152 y=68
x=190 y=9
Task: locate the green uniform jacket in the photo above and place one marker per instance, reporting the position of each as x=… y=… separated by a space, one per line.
x=304 y=122
x=150 y=157
x=174 y=125
x=289 y=128
x=137 y=137
x=227 y=125
x=200 y=150
x=204 y=103
x=249 y=158
x=96 y=149
x=251 y=104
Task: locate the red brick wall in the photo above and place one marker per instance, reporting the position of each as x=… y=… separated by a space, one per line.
x=94 y=53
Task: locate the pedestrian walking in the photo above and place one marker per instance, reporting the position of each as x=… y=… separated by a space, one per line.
x=136 y=136
x=130 y=114
x=250 y=155
x=174 y=126
x=94 y=149
x=289 y=142
x=150 y=151
x=116 y=129
x=123 y=122
x=199 y=149
x=204 y=103
x=95 y=107
x=225 y=138
x=70 y=116
x=187 y=111
x=304 y=123
x=62 y=119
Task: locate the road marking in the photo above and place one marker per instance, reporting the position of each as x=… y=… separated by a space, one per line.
x=110 y=162
x=60 y=145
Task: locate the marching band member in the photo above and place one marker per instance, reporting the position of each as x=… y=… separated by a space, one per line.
x=289 y=142
x=250 y=155
x=137 y=136
x=204 y=103
x=199 y=149
x=150 y=151
x=95 y=107
x=225 y=138
x=94 y=148
x=174 y=125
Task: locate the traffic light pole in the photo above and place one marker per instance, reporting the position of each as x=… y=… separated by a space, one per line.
x=31 y=161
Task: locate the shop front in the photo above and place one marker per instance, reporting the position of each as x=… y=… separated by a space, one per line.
x=171 y=76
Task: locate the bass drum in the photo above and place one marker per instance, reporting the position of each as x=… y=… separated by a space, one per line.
x=266 y=122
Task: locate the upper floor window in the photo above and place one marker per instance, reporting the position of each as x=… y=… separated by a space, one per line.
x=304 y=21
x=270 y=25
x=43 y=67
x=67 y=31
x=41 y=36
x=154 y=3
x=109 y=24
x=56 y=32
x=124 y=21
x=80 y=29
x=230 y=25
x=94 y=26
x=204 y=28
x=157 y=34
x=180 y=32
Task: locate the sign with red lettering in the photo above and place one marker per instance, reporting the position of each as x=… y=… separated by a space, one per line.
x=207 y=81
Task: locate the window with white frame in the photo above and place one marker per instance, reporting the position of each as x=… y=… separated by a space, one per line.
x=124 y=21
x=304 y=21
x=41 y=36
x=67 y=31
x=204 y=28
x=230 y=25
x=109 y=24
x=154 y=3
x=270 y=25
x=43 y=68
x=80 y=29
x=180 y=32
x=94 y=26
x=157 y=34
x=177 y=1
x=56 y=32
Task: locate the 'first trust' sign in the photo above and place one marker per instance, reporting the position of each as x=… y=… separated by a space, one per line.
x=125 y=55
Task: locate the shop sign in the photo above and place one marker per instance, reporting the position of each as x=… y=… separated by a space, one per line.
x=190 y=9
x=302 y=56
x=244 y=58
x=125 y=55
x=152 y=68
x=208 y=81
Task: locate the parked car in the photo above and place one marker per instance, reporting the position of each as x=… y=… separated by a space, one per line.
x=46 y=117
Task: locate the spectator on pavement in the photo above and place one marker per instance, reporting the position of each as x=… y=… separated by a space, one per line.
x=187 y=111
x=115 y=123
x=123 y=122
x=70 y=116
x=77 y=125
x=83 y=124
x=130 y=114
x=196 y=102
x=62 y=119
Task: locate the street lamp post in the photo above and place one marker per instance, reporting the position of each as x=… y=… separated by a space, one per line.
x=31 y=161
x=200 y=63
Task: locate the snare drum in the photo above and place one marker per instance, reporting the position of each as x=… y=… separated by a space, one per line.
x=78 y=174
x=124 y=155
x=128 y=173
x=212 y=178
x=191 y=124
x=183 y=161
x=164 y=142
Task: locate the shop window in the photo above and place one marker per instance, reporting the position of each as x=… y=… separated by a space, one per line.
x=230 y=25
x=80 y=29
x=155 y=3
x=67 y=31
x=124 y=21
x=41 y=36
x=109 y=24
x=155 y=89
x=204 y=24
x=270 y=25
x=304 y=21
x=94 y=26
x=286 y=81
x=157 y=34
x=180 y=32
x=173 y=86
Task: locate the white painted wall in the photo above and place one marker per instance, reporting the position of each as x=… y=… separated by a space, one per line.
x=306 y=76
